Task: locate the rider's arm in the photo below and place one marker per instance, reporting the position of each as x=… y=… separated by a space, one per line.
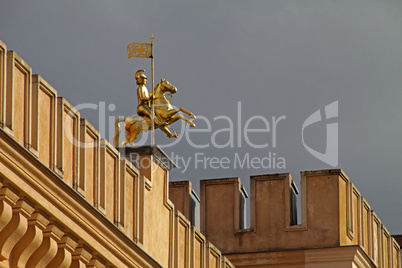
x=143 y=98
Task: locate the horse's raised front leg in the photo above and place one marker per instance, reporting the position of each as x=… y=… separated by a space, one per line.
x=187 y=112
x=171 y=120
x=177 y=117
x=168 y=133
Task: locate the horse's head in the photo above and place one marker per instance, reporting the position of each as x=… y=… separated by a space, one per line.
x=166 y=86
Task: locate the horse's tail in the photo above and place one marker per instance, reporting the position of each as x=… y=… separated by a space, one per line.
x=117 y=132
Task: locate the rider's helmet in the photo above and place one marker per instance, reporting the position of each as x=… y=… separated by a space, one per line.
x=139 y=75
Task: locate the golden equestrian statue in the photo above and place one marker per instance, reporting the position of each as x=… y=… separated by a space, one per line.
x=164 y=112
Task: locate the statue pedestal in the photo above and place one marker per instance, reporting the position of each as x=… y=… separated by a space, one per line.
x=147 y=159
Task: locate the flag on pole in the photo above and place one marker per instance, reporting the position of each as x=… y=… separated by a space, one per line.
x=145 y=50
x=139 y=50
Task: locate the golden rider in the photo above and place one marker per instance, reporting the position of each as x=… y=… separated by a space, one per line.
x=144 y=98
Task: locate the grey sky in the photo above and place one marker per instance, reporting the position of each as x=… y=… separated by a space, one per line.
x=278 y=58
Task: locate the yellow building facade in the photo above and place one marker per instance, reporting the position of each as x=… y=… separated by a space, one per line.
x=70 y=199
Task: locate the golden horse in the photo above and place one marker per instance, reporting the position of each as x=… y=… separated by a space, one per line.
x=137 y=124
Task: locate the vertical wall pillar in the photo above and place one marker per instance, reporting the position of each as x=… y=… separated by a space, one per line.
x=180 y=194
x=220 y=211
x=3 y=81
x=18 y=100
x=157 y=217
x=185 y=200
x=67 y=139
x=108 y=196
x=89 y=164
x=43 y=117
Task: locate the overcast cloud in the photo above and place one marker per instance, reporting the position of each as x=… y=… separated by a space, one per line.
x=277 y=58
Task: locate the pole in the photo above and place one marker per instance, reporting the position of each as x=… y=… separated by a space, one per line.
x=153 y=97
